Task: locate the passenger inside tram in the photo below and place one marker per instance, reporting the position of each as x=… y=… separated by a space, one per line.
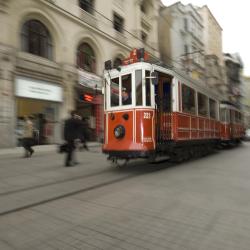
x=126 y=98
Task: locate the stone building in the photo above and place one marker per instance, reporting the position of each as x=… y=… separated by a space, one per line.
x=214 y=63
x=180 y=39
x=52 y=54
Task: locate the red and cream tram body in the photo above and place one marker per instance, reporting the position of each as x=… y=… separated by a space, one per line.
x=153 y=111
x=231 y=128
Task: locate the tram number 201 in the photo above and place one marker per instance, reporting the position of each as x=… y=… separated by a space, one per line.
x=147 y=115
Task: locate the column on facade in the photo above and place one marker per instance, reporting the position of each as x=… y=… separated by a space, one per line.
x=7 y=118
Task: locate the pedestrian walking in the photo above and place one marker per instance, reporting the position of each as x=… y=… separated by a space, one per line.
x=71 y=134
x=83 y=133
x=28 y=140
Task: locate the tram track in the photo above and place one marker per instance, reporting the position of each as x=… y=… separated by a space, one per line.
x=51 y=183
x=22 y=199
x=68 y=194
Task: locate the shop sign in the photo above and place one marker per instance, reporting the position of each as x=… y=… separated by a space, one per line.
x=90 y=80
x=36 y=89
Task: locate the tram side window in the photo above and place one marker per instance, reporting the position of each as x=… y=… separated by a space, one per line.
x=188 y=99
x=236 y=117
x=240 y=117
x=114 y=92
x=138 y=87
x=202 y=105
x=148 y=90
x=223 y=114
x=232 y=116
x=212 y=108
x=126 y=90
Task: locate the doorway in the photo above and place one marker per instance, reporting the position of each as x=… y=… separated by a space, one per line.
x=163 y=100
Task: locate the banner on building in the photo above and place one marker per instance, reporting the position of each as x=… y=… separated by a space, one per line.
x=90 y=80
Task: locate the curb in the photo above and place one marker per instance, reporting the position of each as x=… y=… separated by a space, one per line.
x=40 y=148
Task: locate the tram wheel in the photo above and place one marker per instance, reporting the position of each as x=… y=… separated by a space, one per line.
x=119 y=162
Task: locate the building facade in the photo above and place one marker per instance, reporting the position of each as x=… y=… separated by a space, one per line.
x=52 y=54
x=234 y=68
x=246 y=100
x=214 y=63
x=181 y=39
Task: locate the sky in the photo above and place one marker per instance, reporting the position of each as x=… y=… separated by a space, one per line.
x=234 y=18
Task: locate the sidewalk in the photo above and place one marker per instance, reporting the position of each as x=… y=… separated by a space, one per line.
x=40 y=148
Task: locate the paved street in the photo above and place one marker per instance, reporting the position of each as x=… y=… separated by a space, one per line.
x=200 y=204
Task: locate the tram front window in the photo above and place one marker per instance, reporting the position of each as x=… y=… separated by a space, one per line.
x=114 y=92
x=126 y=90
x=148 y=91
x=138 y=87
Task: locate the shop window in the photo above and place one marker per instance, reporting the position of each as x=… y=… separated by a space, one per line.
x=114 y=92
x=212 y=108
x=87 y=5
x=126 y=90
x=138 y=87
x=188 y=99
x=148 y=88
x=86 y=58
x=118 y=23
x=36 y=39
x=202 y=105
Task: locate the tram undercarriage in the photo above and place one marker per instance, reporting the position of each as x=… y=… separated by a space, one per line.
x=170 y=150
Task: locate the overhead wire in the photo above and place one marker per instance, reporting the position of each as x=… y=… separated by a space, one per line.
x=123 y=29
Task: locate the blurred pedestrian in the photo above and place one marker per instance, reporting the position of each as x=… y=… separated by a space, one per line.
x=83 y=133
x=28 y=140
x=71 y=134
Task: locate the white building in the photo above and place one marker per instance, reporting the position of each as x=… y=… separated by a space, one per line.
x=52 y=54
x=212 y=37
x=180 y=39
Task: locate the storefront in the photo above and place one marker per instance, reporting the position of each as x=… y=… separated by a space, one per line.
x=42 y=101
x=89 y=103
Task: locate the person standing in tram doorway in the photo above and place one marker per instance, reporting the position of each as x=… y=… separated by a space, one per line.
x=71 y=133
x=28 y=140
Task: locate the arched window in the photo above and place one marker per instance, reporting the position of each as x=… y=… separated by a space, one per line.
x=36 y=39
x=86 y=58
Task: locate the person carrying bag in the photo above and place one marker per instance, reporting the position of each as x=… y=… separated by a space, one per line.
x=28 y=137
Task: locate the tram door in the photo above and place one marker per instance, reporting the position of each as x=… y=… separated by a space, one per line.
x=163 y=108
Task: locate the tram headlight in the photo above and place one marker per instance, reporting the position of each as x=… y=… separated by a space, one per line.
x=119 y=131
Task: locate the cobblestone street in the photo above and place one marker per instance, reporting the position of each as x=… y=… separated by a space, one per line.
x=201 y=204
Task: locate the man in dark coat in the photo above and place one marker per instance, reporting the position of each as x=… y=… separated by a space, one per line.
x=83 y=133
x=71 y=133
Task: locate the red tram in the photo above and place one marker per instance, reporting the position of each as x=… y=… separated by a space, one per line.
x=231 y=124
x=153 y=111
